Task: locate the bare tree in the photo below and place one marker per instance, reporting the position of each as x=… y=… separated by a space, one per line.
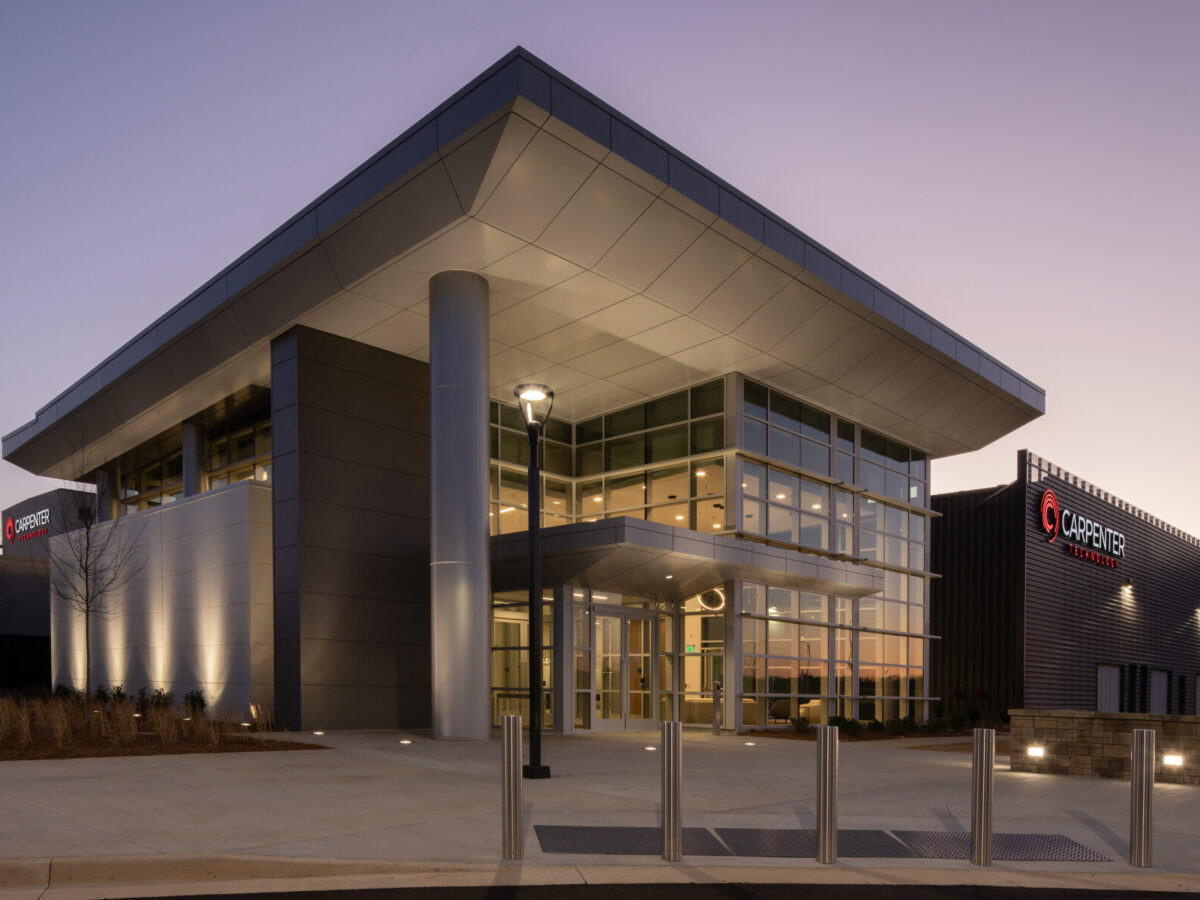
x=90 y=568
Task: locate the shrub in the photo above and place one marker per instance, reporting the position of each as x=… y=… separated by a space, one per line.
x=895 y=726
x=875 y=725
x=66 y=692
x=162 y=699
x=102 y=695
x=118 y=693
x=800 y=724
x=851 y=727
x=143 y=701
x=194 y=702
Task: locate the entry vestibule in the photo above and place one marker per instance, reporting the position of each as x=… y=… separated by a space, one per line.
x=624 y=682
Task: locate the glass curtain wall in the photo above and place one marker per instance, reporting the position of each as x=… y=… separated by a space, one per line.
x=652 y=461
x=796 y=477
x=809 y=481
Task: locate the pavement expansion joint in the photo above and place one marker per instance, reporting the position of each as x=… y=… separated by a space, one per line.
x=801 y=843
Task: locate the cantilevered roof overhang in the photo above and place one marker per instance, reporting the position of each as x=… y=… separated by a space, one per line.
x=619 y=269
x=649 y=559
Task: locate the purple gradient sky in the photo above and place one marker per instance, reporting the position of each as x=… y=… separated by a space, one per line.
x=1025 y=172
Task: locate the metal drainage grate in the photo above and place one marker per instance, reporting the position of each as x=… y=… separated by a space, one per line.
x=801 y=843
x=623 y=841
x=1012 y=847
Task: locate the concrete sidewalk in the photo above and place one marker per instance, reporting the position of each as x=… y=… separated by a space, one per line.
x=373 y=812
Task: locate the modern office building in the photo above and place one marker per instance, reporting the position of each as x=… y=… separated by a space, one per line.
x=25 y=583
x=1056 y=595
x=319 y=453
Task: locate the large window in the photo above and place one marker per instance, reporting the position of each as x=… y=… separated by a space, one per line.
x=686 y=423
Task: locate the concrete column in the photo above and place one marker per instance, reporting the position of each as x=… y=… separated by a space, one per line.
x=195 y=446
x=460 y=572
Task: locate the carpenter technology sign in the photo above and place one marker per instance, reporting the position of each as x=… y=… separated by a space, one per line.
x=26 y=528
x=1085 y=537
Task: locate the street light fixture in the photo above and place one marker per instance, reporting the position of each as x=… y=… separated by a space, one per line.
x=535 y=402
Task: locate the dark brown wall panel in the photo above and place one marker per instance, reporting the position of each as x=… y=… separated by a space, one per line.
x=351 y=471
x=976 y=606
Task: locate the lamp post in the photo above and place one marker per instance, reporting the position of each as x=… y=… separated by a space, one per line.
x=535 y=401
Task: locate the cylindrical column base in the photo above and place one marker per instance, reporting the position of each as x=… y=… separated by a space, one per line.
x=1141 y=805
x=512 y=823
x=827 y=766
x=983 y=766
x=672 y=791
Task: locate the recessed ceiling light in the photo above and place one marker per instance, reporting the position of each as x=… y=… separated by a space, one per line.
x=318 y=732
x=700 y=473
x=816 y=506
x=779 y=496
x=649 y=748
x=679 y=518
x=749 y=744
x=669 y=577
x=405 y=741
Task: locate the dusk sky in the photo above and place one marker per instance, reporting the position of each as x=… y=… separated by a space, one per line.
x=1024 y=172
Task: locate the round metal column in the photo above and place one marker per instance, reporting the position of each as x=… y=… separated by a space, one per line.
x=460 y=574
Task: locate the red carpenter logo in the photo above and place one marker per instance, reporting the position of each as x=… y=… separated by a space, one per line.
x=1050 y=517
x=10 y=530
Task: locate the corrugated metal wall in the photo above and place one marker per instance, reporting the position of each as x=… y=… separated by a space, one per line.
x=1027 y=621
x=1078 y=616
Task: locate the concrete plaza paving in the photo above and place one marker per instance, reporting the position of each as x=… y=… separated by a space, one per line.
x=371 y=812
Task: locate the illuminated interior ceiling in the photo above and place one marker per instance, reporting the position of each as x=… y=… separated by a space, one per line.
x=619 y=270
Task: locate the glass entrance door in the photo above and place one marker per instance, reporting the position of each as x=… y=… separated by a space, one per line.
x=624 y=686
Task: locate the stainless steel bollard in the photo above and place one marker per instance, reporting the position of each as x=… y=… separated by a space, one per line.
x=1141 y=808
x=672 y=791
x=983 y=768
x=716 y=707
x=511 y=813
x=827 y=764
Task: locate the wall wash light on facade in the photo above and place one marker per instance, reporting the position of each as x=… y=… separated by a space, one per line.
x=535 y=402
x=1173 y=759
x=1037 y=752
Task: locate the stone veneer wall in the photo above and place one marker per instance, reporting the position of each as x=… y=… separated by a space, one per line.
x=1078 y=742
